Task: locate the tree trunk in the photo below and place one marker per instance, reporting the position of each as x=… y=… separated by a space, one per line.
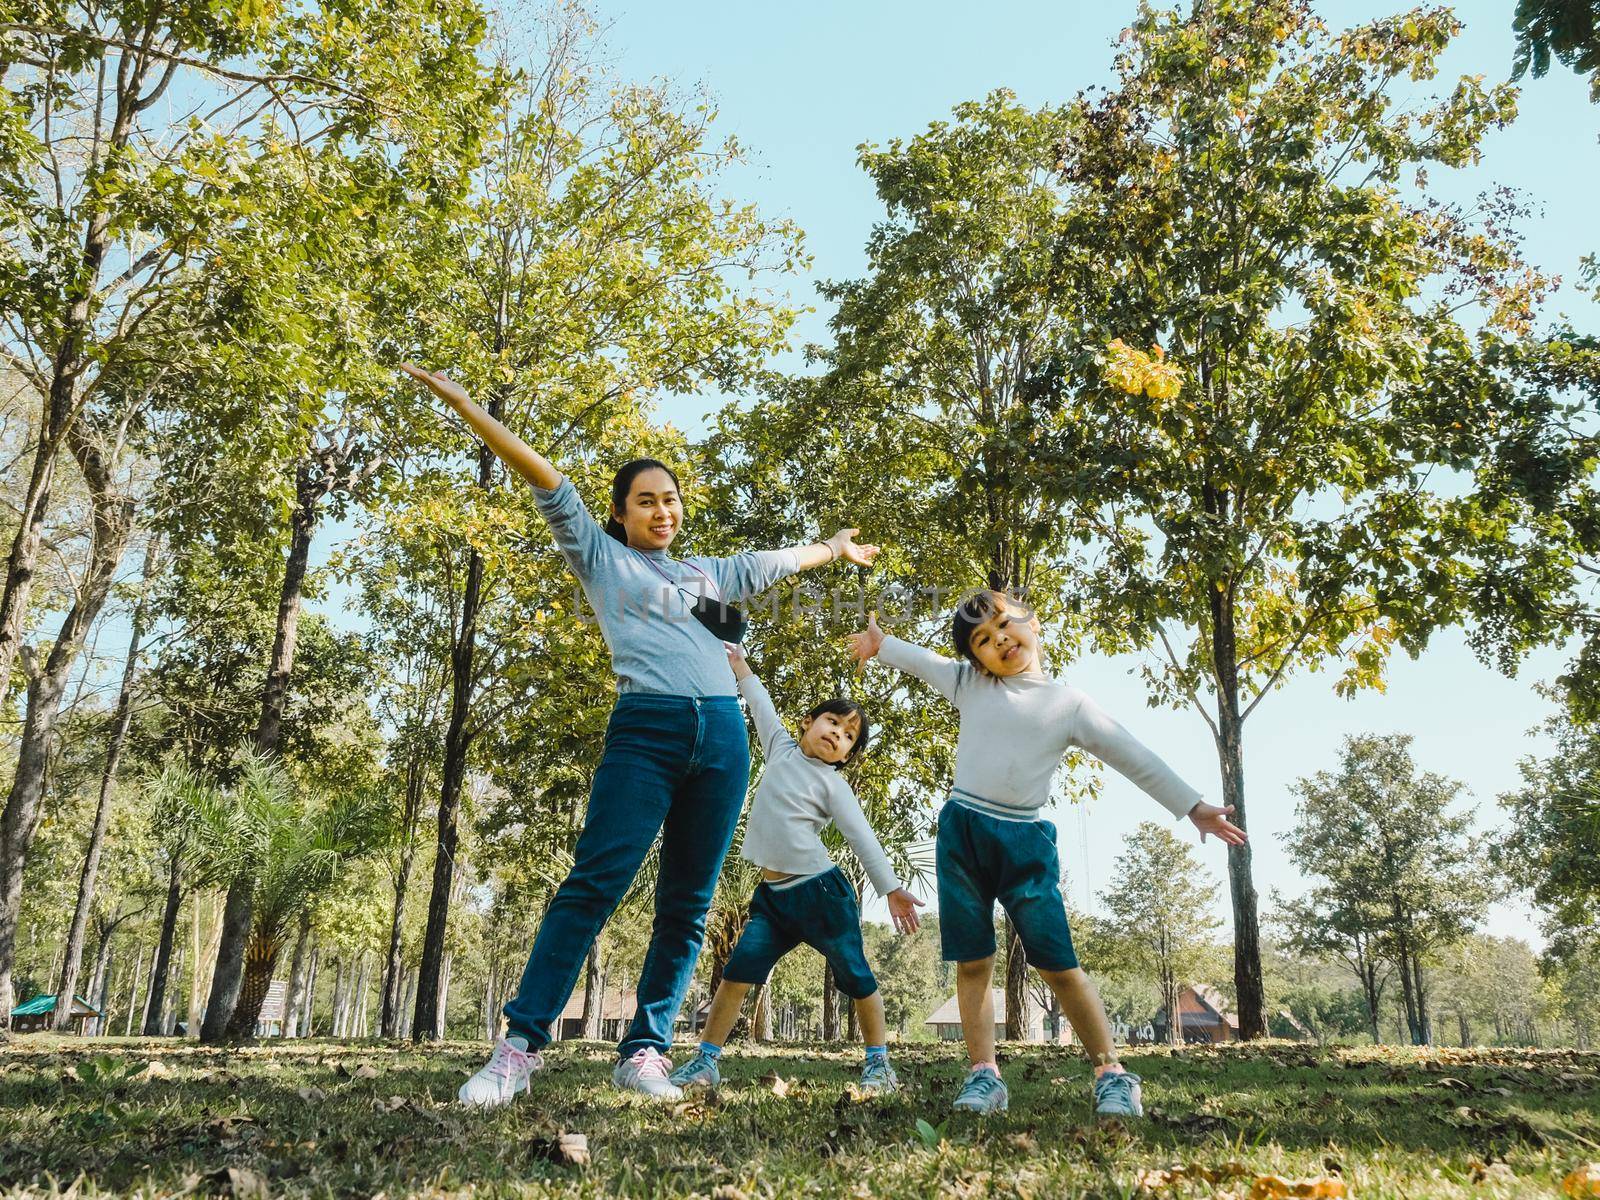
x=593 y=998
x=102 y=814
x=307 y=1018
x=169 y=929
x=409 y=1007
x=457 y=742
x=336 y=1001
x=261 y=958
x=133 y=991
x=1247 y=977
x=394 y=967
x=297 y=979
x=830 y=1009
x=1016 y=985
x=112 y=516
x=231 y=954
x=761 y=1017
x=1424 y=1026
x=227 y=977
x=24 y=556
x=362 y=979
x=446 y=971
x=100 y=982
x=1462 y=1028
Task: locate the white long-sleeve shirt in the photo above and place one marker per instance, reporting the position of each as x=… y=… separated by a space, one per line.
x=1014 y=732
x=796 y=799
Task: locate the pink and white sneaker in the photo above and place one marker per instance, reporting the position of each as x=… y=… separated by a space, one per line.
x=647 y=1072
x=501 y=1079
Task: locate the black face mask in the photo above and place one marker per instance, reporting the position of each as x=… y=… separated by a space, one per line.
x=725 y=621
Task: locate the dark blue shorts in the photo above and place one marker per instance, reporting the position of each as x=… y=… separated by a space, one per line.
x=822 y=913
x=981 y=859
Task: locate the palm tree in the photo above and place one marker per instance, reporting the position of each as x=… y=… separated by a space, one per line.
x=290 y=843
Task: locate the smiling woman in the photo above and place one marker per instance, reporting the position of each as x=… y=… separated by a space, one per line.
x=676 y=761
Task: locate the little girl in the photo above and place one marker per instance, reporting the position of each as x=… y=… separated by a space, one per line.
x=1016 y=724
x=803 y=897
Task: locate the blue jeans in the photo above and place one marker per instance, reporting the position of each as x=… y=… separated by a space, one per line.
x=822 y=913
x=673 y=765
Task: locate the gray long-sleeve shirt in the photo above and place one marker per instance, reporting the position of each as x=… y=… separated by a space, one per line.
x=1015 y=731
x=797 y=798
x=647 y=621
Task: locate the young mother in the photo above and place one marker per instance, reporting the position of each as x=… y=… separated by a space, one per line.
x=676 y=759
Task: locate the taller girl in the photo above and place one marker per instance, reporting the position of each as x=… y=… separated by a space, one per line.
x=676 y=760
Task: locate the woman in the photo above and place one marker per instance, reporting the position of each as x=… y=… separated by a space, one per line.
x=676 y=759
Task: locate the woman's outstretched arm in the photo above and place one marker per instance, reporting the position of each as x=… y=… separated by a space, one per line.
x=508 y=447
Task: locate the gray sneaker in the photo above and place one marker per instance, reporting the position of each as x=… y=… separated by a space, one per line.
x=699 y=1072
x=1117 y=1094
x=646 y=1073
x=878 y=1077
x=983 y=1092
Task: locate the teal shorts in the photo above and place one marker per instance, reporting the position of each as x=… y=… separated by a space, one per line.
x=981 y=859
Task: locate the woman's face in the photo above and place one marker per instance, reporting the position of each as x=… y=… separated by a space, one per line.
x=654 y=511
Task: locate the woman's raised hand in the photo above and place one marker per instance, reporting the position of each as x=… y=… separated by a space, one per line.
x=512 y=450
x=866 y=643
x=843 y=544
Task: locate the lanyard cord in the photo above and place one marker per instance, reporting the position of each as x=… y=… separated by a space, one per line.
x=656 y=567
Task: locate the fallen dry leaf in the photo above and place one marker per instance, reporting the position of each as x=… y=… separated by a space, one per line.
x=775 y=1083
x=310 y=1094
x=241 y=1183
x=1584 y=1181
x=569 y=1149
x=156 y=1069
x=1275 y=1187
x=1492 y=1172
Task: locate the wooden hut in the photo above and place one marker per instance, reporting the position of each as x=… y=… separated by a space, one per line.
x=1204 y=1016
x=36 y=1015
x=945 y=1021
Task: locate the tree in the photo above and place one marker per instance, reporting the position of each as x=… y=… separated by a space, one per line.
x=592 y=269
x=1340 y=919
x=1568 y=30
x=1159 y=908
x=135 y=138
x=1376 y=829
x=936 y=392
x=1265 y=496
x=292 y=843
x=1553 y=827
x=117 y=735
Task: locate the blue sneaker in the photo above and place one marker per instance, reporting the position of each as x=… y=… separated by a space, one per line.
x=983 y=1092
x=878 y=1077
x=699 y=1072
x=1116 y=1094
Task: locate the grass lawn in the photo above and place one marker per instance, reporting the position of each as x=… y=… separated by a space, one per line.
x=160 y=1119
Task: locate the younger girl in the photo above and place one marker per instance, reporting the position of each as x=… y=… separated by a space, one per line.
x=1016 y=723
x=803 y=897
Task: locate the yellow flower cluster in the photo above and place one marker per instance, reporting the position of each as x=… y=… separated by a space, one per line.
x=1134 y=371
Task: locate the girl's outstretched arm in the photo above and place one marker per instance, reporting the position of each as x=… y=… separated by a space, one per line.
x=508 y=447
x=943 y=674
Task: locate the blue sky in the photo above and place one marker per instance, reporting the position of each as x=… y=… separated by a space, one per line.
x=802 y=86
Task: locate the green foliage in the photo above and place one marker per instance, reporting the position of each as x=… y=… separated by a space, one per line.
x=1568 y=30
x=1553 y=828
